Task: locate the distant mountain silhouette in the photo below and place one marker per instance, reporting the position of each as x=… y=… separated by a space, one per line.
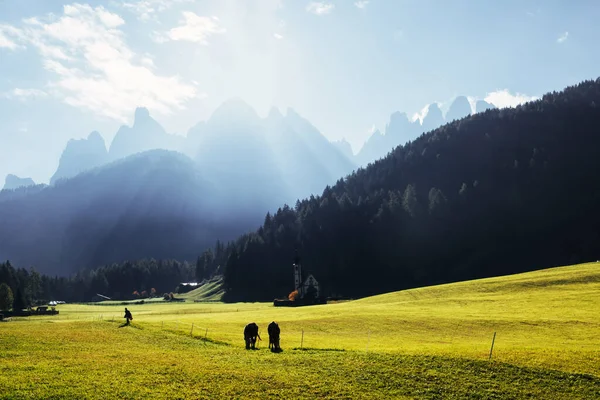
x=81 y=155
x=401 y=130
x=345 y=148
x=459 y=108
x=311 y=161
x=269 y=161
x=154 y=204
x=433 y=118
x=14 y=182
x=483 y=105
x=162 y=203
x=234 y=152
x=145 y=134
x=398 y=131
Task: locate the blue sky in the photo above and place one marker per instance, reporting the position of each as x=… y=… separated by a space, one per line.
x=69 y=68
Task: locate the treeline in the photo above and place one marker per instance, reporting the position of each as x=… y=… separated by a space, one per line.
x=118 y=281
x=498 y=192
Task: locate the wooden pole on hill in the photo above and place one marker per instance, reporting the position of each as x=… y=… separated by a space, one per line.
x=302 y=340
x=192 y=330
x=492 y=348
x=206 y=334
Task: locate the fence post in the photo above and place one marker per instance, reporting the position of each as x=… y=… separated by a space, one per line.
x=302 y=340
x=492 y=348
x=162 y=325
x=192 y=330
x=205 y=333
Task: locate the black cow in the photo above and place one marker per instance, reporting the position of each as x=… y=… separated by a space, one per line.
x=274 y=332
x=250 y=335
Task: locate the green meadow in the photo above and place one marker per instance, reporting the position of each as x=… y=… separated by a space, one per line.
x=430 y=343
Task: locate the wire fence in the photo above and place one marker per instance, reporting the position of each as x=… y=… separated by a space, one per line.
x=456 y=339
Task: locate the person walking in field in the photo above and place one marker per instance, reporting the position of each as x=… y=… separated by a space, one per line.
x=128 y=316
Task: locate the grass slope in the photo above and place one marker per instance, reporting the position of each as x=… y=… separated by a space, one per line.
x=423 y=343
x=210 y=291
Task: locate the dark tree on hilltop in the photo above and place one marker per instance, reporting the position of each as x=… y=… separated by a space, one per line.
x=117 y=281
x=6 y=297
x=19 y=302
x=503 y=191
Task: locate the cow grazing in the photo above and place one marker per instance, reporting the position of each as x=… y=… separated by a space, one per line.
x=250 y=335
x=274 y=332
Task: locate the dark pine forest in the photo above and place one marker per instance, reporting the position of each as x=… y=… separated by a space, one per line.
x=499 y=192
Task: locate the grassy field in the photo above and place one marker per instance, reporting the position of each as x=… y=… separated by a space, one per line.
x=428 y=343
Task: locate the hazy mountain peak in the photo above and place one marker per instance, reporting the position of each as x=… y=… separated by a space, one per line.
x=234 y=109
x=14 y=182
x=344 y=147
x=459 y=108
x=433 y=118
x=95 y=136
x=398 y=116
x=290 y=112
x=433 y=107
x=80 y=155
x=482 y=105
x=141 y=114
x=399 y=123
x=274 y=113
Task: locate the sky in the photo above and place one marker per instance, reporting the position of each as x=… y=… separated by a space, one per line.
x=67 y=68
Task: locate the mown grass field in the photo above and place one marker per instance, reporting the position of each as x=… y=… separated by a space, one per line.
x=424 y=343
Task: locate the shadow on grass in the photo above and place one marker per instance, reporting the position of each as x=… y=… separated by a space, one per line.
x=315 y=349
x=129 y=325
x=213 y=341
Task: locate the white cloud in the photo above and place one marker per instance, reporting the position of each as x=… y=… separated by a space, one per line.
x=562 y=38
x=503 y=98
x=24 y=94
x=277 y=36
x=109 y=19
x=472 y=103
x=9 y=36
x=319 y=8
x=147 y=61
x=193 y=28
x=6 y=42
x=421 y=114
x=147 y=10
x=94 y=69
x=361 y=3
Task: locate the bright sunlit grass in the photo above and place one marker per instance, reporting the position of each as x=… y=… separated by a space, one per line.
x=430 y=343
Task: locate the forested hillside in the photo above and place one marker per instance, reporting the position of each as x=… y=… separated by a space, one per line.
x=498 y=192
x=127 y=280
x=153 y=204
